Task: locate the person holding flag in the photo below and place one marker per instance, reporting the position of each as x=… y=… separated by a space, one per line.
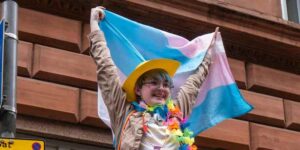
x=141 y=111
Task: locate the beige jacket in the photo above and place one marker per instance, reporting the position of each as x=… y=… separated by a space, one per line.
x=125 y=122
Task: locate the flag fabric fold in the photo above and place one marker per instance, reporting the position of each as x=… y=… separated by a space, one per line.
x=131 y=43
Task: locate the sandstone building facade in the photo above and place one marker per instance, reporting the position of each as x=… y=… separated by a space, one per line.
x=56 y=86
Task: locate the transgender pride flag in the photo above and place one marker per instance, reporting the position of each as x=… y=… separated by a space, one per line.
x=131 y=43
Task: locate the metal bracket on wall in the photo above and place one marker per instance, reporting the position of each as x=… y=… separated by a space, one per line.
x=6 y=107
x=11 y=35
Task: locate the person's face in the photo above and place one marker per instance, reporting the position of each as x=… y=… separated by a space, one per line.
x=154 y=91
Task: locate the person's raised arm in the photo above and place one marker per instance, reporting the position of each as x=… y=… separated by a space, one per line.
x=107 y=77
x=189 y=91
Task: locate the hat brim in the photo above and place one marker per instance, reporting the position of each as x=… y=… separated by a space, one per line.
x=169 y=65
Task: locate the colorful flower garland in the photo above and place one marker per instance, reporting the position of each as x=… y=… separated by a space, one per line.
x=174 y=120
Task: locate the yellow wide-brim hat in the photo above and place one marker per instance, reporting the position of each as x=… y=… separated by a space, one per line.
x=169 y=65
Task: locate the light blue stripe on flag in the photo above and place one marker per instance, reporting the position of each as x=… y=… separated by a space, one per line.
x=130 y=40
x=219 y=104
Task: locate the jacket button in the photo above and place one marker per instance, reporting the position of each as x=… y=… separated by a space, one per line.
x=140 y=131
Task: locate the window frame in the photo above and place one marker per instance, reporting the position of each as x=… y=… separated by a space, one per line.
x=291 y=10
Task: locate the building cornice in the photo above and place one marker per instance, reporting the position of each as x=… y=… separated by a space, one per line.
x=74 y=9
x=249 y=36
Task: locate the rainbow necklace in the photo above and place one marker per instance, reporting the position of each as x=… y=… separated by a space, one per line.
x=173 y=118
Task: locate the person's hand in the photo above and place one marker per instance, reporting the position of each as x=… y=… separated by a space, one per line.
x=97 y=14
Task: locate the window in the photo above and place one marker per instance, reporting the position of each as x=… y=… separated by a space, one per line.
x=291 y=10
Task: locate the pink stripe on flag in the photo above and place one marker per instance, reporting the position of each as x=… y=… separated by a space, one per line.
x=214 y=80
x=219 y=72
x=189 y=48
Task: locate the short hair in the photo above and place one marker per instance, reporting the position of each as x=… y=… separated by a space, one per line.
x=157 y=74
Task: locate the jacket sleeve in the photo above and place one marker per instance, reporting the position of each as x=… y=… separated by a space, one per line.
x=107 y=78
x=189 y=90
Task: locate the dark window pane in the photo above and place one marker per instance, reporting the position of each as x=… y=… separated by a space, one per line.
x=293 y=10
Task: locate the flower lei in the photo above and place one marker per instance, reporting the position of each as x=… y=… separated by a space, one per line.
x=177 y=125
